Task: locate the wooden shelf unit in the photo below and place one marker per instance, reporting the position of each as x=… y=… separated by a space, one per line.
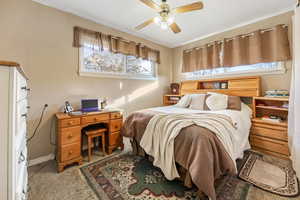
x=167 y=101
x=267 y=136
x=239 y=86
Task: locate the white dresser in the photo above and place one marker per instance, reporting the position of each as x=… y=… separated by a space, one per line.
x=13 y=129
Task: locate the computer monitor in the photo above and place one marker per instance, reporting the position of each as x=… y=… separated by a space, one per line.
x=89 y=105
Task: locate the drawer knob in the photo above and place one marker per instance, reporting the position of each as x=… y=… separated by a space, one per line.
x=70 y=122
x=70 y=136
x=95 y=119
x=25 y=88
x=21 y=158
x=116 y=126
x=70 y=152
x=24 y=115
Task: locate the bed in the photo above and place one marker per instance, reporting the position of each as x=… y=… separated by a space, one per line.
x=201 y=154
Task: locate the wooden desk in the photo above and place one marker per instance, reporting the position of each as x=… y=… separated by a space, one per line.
x=69 y=134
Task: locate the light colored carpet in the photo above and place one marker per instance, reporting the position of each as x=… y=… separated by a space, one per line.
x=46 y=184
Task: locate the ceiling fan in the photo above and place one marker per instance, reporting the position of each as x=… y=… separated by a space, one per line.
x=165 y=16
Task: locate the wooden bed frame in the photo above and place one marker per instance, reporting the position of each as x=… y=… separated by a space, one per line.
x=239 y=86
x=249 y=86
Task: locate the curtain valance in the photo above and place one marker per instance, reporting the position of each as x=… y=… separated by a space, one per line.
x=206 y=57
x=101 y=41
x=262 y=46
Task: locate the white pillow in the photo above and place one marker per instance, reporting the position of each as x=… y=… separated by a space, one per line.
x=184 y=102
x=217 y=101
x=197 y=101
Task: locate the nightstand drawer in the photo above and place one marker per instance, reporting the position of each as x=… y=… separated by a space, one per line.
x=70 y=122
x=269 y=144
x=115 y=125
x=270 y=133
x=269 y=126
x=115 y=115
x=70 y=151
x=114 y=138
x=70 y=135
x=95 y=118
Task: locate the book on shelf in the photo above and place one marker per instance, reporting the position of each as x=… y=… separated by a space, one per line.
x=267 y=118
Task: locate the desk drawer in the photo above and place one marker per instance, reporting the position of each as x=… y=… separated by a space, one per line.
x=70 y=122
x=95 y=118
x=114 y=138
x=115 y=115
x=115 y=125
x=70 y=135
x=70 y=151
x=269 y=144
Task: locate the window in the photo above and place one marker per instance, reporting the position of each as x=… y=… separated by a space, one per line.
x=260 y=68
x=94 y=62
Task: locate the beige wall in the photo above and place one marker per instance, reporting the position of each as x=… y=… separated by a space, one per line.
x=40 y=39
x=280 y=81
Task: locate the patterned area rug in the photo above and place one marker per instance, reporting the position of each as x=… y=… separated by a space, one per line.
x=269 y=176
x=135 y=178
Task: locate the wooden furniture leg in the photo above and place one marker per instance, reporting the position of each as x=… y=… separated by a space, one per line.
x=90 y=147
x=103 y=143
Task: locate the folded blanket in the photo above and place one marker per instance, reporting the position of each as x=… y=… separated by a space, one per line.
x=196 y=149
x=158 y=139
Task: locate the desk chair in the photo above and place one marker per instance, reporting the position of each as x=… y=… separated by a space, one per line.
x=94 y=133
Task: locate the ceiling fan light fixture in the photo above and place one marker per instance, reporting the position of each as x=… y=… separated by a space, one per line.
x=170 y=20
x=157 y=20
x=165 y=18
x=164 y=25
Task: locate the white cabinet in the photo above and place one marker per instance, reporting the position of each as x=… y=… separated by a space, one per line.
x=13 y=129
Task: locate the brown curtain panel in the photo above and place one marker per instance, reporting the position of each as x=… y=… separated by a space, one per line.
x=207 y=57
x=101 y=41
x=258 y=47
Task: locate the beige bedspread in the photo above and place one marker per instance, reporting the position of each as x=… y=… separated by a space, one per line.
x=196 y=149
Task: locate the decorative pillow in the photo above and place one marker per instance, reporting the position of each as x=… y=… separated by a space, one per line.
x=234 y=103
x=197 y=102
x=205 y=107
x=184 y=102
x=217 y=102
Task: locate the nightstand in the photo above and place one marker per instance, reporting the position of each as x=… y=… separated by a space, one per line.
x=171 y=99
x=269 y=136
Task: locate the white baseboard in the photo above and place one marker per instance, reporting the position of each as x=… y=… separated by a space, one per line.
x=41 y=160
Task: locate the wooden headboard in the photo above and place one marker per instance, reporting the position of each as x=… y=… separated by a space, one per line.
x=239 y=86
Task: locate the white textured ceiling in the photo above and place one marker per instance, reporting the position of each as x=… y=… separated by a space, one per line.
x=217 y=16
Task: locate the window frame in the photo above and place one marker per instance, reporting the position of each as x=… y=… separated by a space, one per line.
x=252 y=72
x=115 y=74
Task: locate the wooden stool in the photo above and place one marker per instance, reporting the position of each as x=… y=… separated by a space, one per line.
x=93 y=133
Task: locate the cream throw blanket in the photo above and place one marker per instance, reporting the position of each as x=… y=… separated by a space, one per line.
x=159 y=136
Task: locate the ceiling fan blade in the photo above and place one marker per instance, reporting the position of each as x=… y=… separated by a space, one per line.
x=151 y=4
x=175 y=28
x=190 y=7
x=146 y=23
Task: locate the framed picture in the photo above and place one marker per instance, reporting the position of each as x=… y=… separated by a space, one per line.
x=224 y=85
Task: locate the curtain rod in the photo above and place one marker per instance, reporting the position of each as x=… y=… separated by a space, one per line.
x=232 y=38
x=114 y=37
